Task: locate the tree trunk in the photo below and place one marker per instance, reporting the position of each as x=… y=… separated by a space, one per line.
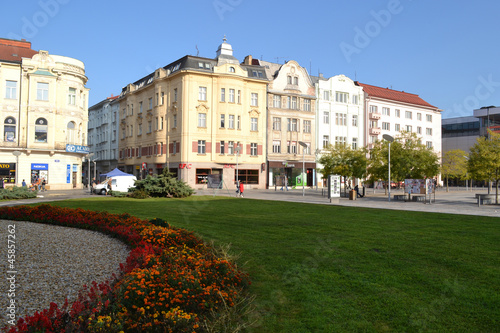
x=447 y=186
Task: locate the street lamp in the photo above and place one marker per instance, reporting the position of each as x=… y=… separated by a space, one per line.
x=88 y=169
x=304 y=146
x=95 y=159
x=389 y=138
x=237 y=150
x=16 y=154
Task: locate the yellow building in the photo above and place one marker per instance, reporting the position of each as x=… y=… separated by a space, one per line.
x=198 y=117
x=43 y=107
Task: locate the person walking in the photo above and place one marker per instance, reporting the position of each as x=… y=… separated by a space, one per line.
x=24 y=183
x=92 y=186
x=285 y=183
x=44 y=182
x=241 y=189
x=1 y=182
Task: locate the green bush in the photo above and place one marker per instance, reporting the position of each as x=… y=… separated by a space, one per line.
x=164 y=185
x=15 y=192
x=137 y=194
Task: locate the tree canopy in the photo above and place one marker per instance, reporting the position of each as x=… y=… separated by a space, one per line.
x=454 y=165
x=344 y=161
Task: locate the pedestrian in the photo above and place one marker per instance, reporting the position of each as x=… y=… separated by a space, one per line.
x=44 y=182
x=92 y=186
x=38 y=184
x=285 y=183
x=24 y=183
x=241 y=189
x=1 y=182
x=237 y=188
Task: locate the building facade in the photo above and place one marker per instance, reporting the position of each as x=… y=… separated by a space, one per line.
x=43 y=108
x=291 y=107
x=340 y=114
x=390 y=111
x=102 y=138
x=197 y=117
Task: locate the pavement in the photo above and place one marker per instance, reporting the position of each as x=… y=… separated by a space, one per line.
x=455 y=201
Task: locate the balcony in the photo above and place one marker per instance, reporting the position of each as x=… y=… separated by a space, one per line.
x=375 y=131
x=374 y=116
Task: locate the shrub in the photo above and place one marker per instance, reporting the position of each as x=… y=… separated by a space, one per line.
x=16 y=192
x=164 y=185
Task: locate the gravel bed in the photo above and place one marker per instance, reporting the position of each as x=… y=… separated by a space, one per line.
x=52 y=263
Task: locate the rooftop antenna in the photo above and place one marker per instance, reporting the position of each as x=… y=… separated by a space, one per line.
x=197 y=51
x=355 y=76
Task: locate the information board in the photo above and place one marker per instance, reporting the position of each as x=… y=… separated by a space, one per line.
x=214 y=181
x=333 y=186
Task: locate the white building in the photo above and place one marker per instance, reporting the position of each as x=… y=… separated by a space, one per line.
x=103 y=137
x=340 y=113
x=43 y=112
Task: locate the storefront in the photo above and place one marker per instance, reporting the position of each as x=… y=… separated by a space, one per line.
x=8 y=172
x=291 y=172
x=39 y=171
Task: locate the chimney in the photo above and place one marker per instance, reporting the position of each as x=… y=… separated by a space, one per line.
x=248 y=60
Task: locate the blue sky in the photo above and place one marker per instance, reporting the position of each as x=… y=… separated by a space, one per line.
x=445 y=51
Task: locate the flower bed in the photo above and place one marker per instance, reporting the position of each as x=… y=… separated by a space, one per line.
x=171 y=282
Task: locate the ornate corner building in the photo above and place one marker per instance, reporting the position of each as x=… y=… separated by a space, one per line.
x=43 y=113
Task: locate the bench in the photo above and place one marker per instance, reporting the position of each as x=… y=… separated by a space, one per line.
x=418 y=198
x=400 y=197
x=485 y=199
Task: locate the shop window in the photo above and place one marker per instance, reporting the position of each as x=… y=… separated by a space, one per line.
x=248 y=176
x=9 y=129
x=201 y=175
x=41 y=130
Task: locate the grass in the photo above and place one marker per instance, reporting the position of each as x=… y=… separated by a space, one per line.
x=319 y=268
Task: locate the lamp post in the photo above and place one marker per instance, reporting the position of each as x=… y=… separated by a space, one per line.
x=88 y=170
x=237 y=150
x=95 y=159
x=16 y=154
x=390 y=139
x=304 y=146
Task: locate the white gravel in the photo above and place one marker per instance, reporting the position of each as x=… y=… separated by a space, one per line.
x=52 y=263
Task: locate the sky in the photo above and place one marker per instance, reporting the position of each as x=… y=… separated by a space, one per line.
x=445 y=51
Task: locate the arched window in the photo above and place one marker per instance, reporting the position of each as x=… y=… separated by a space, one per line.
x=41 y=130
x=231 y=69
x=70 y=133
x=9 y=129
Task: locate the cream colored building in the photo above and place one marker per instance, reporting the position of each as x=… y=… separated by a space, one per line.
x=198 y=117
x=291 y=104
x=43 y=105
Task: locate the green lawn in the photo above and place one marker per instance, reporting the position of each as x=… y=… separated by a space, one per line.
x=319 y=268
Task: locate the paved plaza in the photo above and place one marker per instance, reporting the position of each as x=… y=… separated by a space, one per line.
x=453 y=202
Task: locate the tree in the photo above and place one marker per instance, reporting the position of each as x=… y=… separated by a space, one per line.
x=164 y=185
x=454 y=165
x=344 y=161
x=484 y=160
x=410 y=159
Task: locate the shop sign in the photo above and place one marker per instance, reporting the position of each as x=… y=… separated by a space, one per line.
x=77 y=149
x=39 y=166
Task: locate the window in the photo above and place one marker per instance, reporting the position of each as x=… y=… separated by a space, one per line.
x=397 y=127
x=428 y=144
x=11 y=89
x=294 y=103
x=175 y=94
x=157 y=99
x=326 y=95
x=9 y=129
x=307 y=105
x=276 y=146
x=248 y=176
x=139 y=129
x=231 y=95
x=239 y=96
x=341 y=97
x=70 y=134
x=201 y=175
x=231 y=121
x=140 y=107
x=326 y=117
x=355 y=121
x=230 y=147
x=131 y=130
x=201 y=147
x=174 y=122
x=419 y=116
x=41 y=130
x=162 y=99
x=202 y=120
x=231 y=69
x=253 y=149
x=277 y=101
x=355 y=99
x=131 y=109
x=408 y=128
x=373 y=109
x=254 y=99
x=72 y=96
x=398 y=113
x=386 y=126
x=223 y=94
x=419 y=130
x=156 y=123
x=291 y=147
x=150 y=105
x=238 y=122
x=326 y=141
x=340 y=140
x=276 y=123
x=408 y=114
x=289 y=79
x=161 y=123
x=149 y=126
x=293 y=125
x=340 y=119
x=42 y=91
x=222 y=120
x=386 y=111
x=429 y=117
x=222 y=148
x=428 y=131
x=295 y=80
x=253 y=124
x=307 y=126
x=288 y=102
x=354 y=143
x=202 y=93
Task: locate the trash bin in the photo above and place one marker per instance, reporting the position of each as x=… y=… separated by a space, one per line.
x=352 y=195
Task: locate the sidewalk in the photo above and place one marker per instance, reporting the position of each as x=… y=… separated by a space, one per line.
x=453 y=202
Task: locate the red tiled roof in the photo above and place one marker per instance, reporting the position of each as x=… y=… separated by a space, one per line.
x=394 y=95
x=15 y=50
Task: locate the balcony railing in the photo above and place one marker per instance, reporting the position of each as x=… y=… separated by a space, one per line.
x=374 y=115
x=375 y=131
